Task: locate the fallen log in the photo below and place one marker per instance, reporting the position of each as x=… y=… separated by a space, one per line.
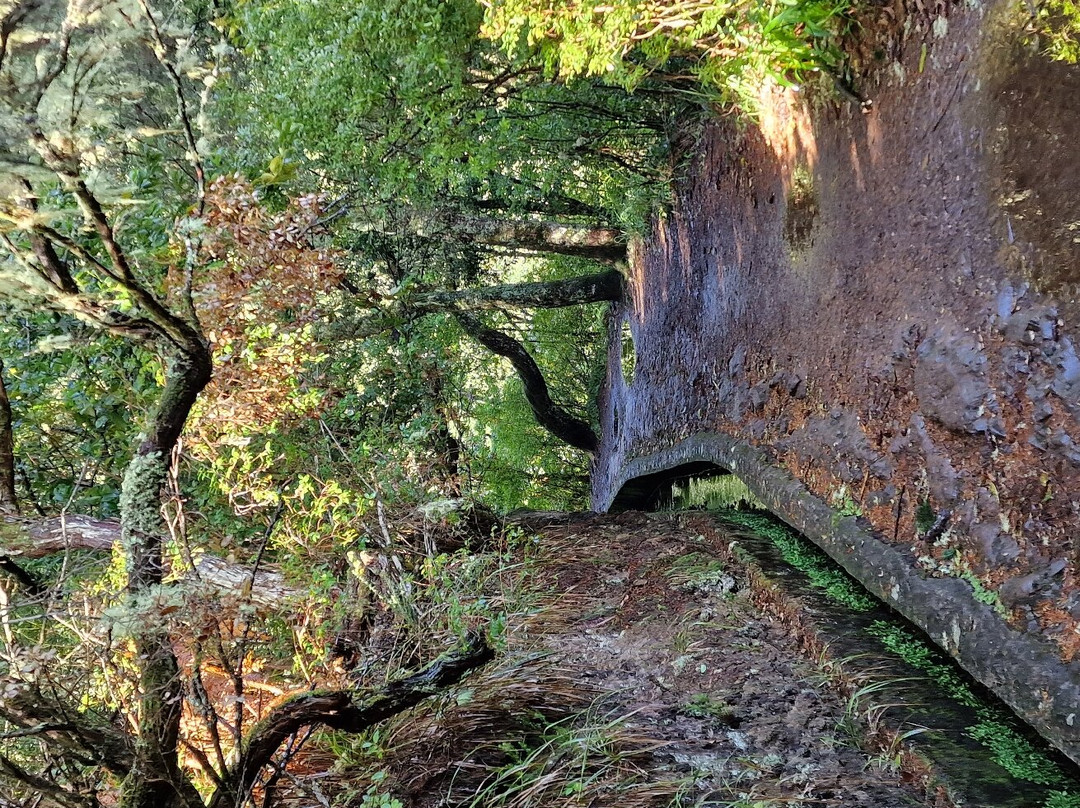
x=37 y=538
x=24 y=538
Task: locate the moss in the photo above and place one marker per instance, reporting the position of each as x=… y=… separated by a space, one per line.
x=1015 y=753
x=799 y=553
x=1010 y=749
x=140 y=495
x=1062 y=799
x=995 y=729
x=919 y=654
x=981 y=593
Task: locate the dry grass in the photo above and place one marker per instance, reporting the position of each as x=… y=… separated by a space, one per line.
x=524 y=733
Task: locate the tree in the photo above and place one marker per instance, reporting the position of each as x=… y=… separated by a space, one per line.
x=118 y=240
x=444 y=152
x=403 y=106
x=731 y=47
x=462 y=305
x=549 y=415
x=79 y=273
x=603 y=244
x=67 y=130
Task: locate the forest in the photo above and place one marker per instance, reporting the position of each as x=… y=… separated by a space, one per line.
x=305 y=315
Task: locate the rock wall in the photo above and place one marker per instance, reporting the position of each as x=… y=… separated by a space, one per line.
x=884 y=299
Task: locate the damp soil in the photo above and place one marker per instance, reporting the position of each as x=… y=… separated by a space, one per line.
x=982 y=753
x=885 y=295
x=677 y=631
x=648 y=620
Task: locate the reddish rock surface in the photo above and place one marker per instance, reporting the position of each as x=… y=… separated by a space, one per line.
x=889 y=299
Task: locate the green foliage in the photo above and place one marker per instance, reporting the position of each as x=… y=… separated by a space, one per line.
x=703 y=705
x=919 y=654
x=519 y=463
x=724 y=491
x=1062 y=799
x=375 y=798
x=1015 y=753
x=730 y=47
x=1057 y=24
x=72 y=396
x=802 y=555
x=404 y=105
x=995 y=729
x=924 y=517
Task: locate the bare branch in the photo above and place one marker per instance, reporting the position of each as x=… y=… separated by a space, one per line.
x=344 y=710
x=91 y=741
x=46 y=788
x=9 y=501
x=193 y=157
x=549 y=415
x=11 y=21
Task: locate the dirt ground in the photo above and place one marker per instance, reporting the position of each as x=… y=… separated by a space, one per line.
x=647 y=675
x=888 y=295
x=677 y=635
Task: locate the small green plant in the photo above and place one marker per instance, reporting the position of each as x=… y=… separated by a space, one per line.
x=702 y=705
x=844 y=505
x=580 y=757
x=374 y=797
x=979 y=590
x=924 y=517
x=1062 y=799
x=699 y=572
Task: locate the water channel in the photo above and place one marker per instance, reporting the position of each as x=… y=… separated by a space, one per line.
x=981 y=752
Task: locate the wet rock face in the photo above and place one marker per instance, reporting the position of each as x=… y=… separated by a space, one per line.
x=920 y=352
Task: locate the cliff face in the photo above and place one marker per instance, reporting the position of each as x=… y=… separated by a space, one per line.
x=884 y=300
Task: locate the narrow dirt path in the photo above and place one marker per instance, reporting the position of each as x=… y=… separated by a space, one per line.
x=672 y=632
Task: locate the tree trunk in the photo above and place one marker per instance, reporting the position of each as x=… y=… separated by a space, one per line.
x=549 y=415
x=579 y=291
x=599 y=288
x=155 y=779
x=9 y=502
x=37 y=538
x=604 y=244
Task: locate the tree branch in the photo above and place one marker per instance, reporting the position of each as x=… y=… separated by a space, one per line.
x=549 y=415
x=49 y=790
x=343 y=710
x=94 y=742
x=9 y=501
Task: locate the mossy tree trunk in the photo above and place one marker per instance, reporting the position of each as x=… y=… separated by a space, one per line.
x=578 y=291
x=604 y=244
x=155 y=779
